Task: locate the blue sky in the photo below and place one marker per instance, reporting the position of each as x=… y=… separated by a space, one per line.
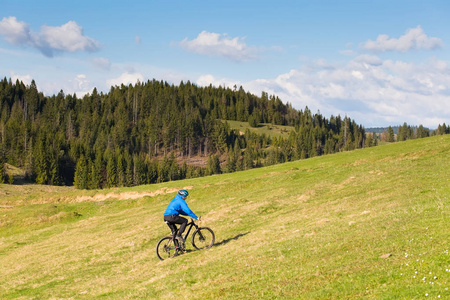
x=379 y=62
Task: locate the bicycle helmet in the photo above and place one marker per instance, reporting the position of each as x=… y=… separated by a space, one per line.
x=183 y=193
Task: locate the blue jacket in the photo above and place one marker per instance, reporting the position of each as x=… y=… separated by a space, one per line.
x=179 y=207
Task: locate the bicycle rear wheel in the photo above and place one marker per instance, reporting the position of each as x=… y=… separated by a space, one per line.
x=166 y=248
x=203 y=238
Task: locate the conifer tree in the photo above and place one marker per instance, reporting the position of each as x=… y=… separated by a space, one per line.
x=213 y=165
x=121 y=170
x=81 y=173
x=152 y=172
x=126 y=129
x=174 y=169
x=111 y=172
x=248 y=159
x=369 y=140
x=95 y=174
x=2 y=167
x=55 y=178
x=42 y=163
x=401 y=134
x=390 y=135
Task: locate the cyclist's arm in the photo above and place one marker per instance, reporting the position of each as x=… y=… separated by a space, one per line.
x=188 y=211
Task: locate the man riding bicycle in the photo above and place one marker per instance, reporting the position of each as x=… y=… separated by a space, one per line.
x=177 y=207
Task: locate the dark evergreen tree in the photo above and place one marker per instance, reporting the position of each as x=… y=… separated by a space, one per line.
x=146 y=133
x=213 y=165
x=96 y=180
x=2 y=166
x=111 y=172
x=42 y=163
x=81 y=173
x=390 y=135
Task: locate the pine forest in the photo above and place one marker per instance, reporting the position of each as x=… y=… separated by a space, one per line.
x=154 y=132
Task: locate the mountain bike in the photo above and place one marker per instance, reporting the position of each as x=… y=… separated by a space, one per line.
x=169 y=246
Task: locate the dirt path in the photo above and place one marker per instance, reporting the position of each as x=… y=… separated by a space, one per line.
x=126 y=195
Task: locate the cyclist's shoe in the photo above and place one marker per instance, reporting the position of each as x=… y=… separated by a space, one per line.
x=180 y=241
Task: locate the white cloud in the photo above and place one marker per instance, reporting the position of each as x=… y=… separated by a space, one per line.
x=206 y=80
x=50 y=40
x=215 y=44
x=372 y=91
x=68 y=37
x=26 y=79
x=358 y=75
x=102 y=63
x=15 y=32
x=81 y=82
x=414 y=38
x=78 y=84
x=348 y=52
x=126 y=78
x=370 y=60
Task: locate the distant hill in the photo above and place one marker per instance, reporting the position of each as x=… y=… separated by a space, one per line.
x=395 y=128
x=381 y=129
x=154 y=132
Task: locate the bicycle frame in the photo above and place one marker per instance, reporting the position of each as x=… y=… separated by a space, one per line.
x=188 y=230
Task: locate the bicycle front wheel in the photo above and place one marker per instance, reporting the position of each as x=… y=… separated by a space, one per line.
x=166 y=248
x=203 y=238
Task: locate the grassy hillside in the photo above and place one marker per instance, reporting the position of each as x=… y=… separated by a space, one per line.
x=371 y=223
x=264 y=128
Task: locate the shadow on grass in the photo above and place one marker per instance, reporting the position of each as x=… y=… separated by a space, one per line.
x=216 y=244
x=230 y=239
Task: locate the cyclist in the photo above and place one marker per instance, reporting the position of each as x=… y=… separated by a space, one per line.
x=177 y=207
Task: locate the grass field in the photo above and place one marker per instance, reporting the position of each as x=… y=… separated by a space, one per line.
x=263 y=128
x=371 y=223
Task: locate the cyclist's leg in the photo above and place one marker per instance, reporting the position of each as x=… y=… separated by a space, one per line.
x=177 y=220
x=173 y=228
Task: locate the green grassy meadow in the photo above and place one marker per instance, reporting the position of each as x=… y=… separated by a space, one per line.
x=263 y=128
x=371 y=223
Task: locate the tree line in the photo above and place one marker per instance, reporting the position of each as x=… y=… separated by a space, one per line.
x=147 y=132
